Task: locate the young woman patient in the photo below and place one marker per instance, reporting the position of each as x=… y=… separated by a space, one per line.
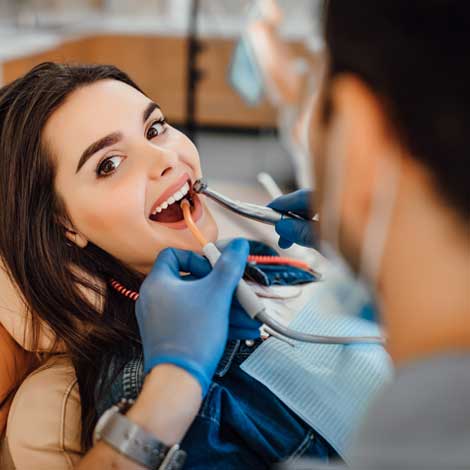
x=89 y=174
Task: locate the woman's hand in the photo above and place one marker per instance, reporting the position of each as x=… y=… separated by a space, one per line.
x=186 y=322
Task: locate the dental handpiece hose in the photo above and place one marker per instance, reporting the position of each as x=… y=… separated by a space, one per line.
x=256 y=310
x=254 y=306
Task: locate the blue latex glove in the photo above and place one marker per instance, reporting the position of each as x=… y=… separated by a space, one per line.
x=295 y=231
x=241 y=326
x=186 y=322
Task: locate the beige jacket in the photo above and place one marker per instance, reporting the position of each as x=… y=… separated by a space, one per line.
x=43 y=427
x=14 y=316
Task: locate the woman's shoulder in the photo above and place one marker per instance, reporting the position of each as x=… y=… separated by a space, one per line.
x=44 y=422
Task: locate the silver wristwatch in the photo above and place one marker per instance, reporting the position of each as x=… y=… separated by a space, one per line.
x=129 y=439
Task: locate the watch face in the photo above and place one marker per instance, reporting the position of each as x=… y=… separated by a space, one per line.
x=100 y=425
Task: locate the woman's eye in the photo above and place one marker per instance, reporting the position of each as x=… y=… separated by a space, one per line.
x=156 y=129
x=109 y=165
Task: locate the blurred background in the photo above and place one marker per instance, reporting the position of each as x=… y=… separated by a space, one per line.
x=237 y=75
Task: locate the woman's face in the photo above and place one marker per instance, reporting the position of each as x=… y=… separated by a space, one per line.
x=119 y=169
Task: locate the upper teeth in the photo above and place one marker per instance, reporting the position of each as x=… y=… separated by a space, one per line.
x=173 y=198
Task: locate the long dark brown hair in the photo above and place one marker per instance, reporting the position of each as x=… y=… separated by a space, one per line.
x=53 y=275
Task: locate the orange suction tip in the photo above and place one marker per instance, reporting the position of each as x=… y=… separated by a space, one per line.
x=197 y=234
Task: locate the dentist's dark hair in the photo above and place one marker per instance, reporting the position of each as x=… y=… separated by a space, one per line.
x=415 y=56
x=54 y=276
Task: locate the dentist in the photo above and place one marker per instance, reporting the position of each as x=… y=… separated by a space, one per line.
x=390 y=140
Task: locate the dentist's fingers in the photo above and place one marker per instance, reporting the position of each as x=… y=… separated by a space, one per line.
x=231 y=265
x=292 y=231
x=284 y=243
x=298 y=202
x=172 y=261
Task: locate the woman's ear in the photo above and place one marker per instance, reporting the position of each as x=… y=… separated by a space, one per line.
x=75 y=237
x=70 y=232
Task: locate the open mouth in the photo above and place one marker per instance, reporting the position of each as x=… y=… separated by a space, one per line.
x=169 y=210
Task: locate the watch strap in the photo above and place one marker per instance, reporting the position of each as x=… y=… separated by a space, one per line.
x=139 y=445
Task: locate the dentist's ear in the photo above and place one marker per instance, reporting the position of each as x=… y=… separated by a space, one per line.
x=76 y=237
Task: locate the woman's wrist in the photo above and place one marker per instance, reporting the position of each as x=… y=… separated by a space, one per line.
x=168 y=403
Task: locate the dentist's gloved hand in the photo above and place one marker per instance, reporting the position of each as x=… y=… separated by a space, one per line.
x=241 y=325
x=295 y=231
x=186 y=322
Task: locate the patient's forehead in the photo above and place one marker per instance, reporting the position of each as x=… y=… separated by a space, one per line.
x=91 y=112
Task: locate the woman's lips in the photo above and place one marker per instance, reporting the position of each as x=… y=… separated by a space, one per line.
x=177 y=213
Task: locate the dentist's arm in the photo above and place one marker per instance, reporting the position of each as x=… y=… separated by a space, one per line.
x=184 y=325
x=166 y=407
x=292 y=231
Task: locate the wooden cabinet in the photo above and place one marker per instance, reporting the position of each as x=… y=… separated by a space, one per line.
x=158 y=65
x=217 y=103
x=68 y=51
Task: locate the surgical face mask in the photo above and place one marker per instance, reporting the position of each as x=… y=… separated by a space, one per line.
x=245 y=74
x=355 y=291
x=296 y=147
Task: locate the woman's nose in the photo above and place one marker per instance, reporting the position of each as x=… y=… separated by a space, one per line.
x=161 y=162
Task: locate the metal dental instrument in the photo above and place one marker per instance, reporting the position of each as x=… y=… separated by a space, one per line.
x=261 y=214
x=253 y=306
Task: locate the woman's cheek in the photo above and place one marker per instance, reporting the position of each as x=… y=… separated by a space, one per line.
x=191 y=157
x=106 y=216
x=188 y=153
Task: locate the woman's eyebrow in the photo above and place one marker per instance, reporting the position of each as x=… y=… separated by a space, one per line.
x=111 y=139
x=151 y=107
x=100 y=144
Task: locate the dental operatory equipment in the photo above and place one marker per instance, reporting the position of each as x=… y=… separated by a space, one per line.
x=247 y=297
x=261 y=214
x=252 y=304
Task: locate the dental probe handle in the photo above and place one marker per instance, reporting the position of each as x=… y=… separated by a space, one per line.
x=245 y=295
x=261 y=214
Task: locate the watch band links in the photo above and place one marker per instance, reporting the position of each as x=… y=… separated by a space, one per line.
x=137 y=444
